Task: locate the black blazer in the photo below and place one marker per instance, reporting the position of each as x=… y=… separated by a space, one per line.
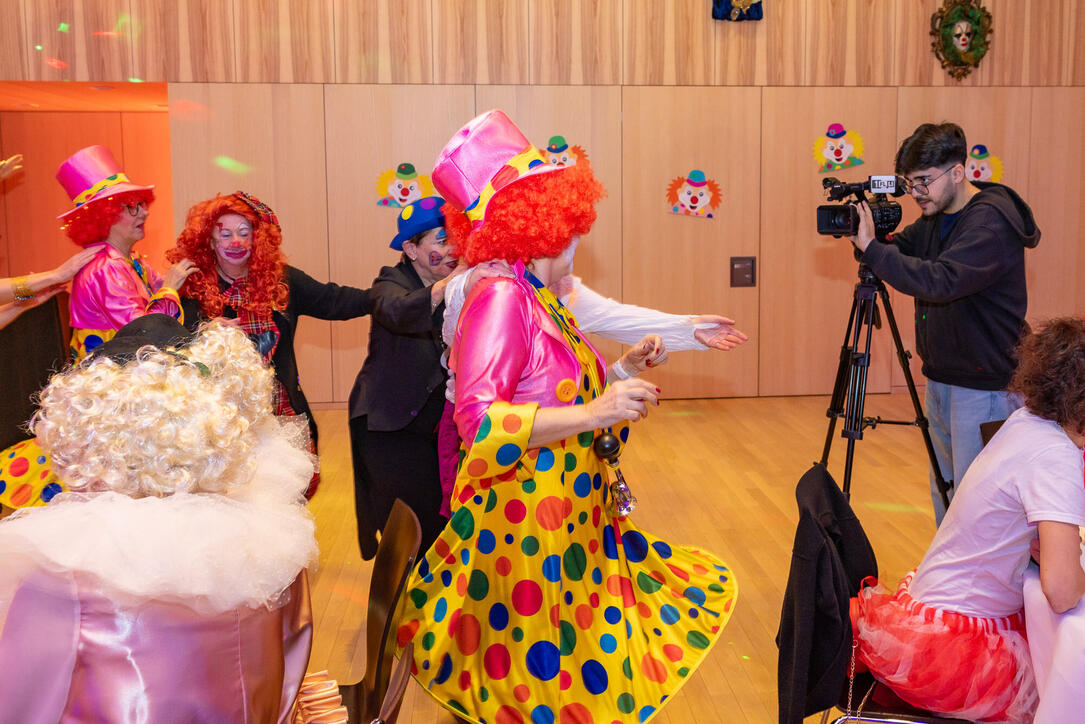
x=309 y=298
x=830 y=558
x=403 y=365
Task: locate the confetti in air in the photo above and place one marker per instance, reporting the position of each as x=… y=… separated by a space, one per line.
x=62 y=28
x=232 y=165
x=56 y=63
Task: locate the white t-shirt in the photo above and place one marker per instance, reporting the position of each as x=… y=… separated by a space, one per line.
x=1029 y=472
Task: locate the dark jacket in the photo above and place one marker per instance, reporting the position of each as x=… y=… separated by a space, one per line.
x=309 y=298
x=969 y=286
x=403 y=365
x=829 y=560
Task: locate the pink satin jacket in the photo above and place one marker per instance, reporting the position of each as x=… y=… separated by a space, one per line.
x=508 y=348
x=108 y=293
x=70 y=654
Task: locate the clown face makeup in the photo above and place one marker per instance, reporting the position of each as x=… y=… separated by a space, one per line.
x=231 y=240
x=431 y=256
x=962 y=36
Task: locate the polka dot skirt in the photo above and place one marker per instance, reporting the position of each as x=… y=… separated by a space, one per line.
x=26 y=476
x=535 y=606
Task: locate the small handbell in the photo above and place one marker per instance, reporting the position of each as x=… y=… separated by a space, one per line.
x=622 y=500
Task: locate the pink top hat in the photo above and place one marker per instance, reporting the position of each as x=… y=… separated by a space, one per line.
x=92 y=174
x=485 y=156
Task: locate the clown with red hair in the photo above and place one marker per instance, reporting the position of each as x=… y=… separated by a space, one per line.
x=116 y=286
x=535 y=541
x=240 y=272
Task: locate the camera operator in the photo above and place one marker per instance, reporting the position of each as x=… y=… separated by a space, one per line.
x=964 y=262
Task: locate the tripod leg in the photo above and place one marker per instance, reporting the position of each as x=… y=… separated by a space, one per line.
x=944 y=486
x=836 y=402
x=857 y=378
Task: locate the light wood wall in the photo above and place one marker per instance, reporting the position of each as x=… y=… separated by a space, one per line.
x=313 y=98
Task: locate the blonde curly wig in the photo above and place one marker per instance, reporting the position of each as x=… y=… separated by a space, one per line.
x=162 y=423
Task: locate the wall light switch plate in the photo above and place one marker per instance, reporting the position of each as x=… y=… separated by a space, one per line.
x=743 y=271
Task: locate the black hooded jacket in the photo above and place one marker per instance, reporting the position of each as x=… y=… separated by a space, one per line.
x=969 y=286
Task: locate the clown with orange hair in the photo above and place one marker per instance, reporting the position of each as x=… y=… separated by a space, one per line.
x=694 y=195
x=560 y=154
x=541 y=600
x=116 y=286
x=240 y=272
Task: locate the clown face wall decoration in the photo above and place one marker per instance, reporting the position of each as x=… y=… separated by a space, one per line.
x=960 y=35
x=837 y=149
x=694 y=195
x=560 y=154
x=401 y=186
x=982 y=166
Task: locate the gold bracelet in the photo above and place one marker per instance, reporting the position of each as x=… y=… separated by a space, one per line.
x=23 y=293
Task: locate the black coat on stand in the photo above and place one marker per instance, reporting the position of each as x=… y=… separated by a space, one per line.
x=829 y=561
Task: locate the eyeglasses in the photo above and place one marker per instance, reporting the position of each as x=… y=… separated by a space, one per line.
x=923 y=183
x=133 y=209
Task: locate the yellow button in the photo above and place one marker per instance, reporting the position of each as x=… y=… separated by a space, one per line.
x=566 y=390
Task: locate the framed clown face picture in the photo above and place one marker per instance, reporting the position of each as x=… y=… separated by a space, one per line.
x=960 y=35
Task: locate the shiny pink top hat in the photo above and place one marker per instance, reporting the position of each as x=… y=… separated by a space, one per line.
x=485 y=156
x=92 y=174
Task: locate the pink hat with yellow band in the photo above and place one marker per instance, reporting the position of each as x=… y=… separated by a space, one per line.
x=92 y=174
x=485 y=156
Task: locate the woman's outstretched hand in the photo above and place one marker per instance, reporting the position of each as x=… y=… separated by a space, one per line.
x=623 y=400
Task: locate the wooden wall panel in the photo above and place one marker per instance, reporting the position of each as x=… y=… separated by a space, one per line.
x=264 y=139
x=590 y=118
x=36 y=242
x=284 y=41
x=667 y=43
x=763 y=53
x=807 y=280
x=183 y=40
x=681 y=263
x=364 y=139
x=576 y=42
x=1005 y=132
x=14 y=52
x=80 y=40
x=1057 y=266
x=146 y=152
x=849 y=42
x=481 y=41
x=384 y=41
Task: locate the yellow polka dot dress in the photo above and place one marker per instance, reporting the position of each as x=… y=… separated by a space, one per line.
x=535 y=605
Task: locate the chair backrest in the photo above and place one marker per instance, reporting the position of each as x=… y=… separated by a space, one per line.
x=32 y=348
x=396 y=686
x=392 y=566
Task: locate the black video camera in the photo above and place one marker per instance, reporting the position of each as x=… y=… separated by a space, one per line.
x=843 y=220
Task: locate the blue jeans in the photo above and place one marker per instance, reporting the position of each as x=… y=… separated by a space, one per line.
x=955 y=414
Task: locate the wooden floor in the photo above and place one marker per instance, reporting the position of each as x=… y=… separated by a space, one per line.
x=720 y=474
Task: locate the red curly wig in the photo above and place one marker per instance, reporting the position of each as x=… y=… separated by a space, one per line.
x=92 y=222
x=533 y=218
x=267 y=285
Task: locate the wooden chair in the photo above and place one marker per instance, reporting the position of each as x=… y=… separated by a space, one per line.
x=396 y=686
x=392 y=566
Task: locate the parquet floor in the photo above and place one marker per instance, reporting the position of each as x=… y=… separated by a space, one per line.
x=717 y=473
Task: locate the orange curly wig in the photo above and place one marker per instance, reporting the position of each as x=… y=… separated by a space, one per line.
x=93 y=221
x=267 y=285
x=533 y=218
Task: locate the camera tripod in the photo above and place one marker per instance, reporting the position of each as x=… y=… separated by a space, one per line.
x=849 y=391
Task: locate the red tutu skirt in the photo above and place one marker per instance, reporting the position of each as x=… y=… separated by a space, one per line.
x=963 y=666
